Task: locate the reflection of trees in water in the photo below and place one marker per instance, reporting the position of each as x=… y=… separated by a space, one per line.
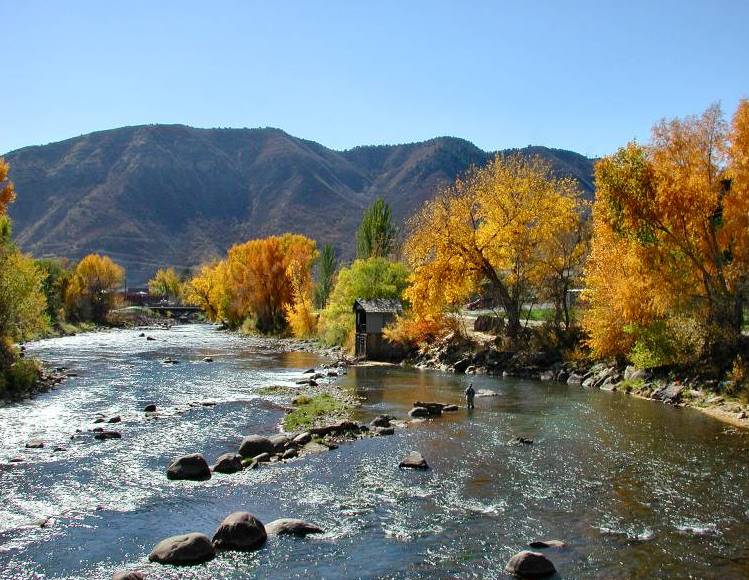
x=401 y=387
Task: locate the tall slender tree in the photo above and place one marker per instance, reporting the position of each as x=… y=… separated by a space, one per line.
x=375 y=237
x=325 y=274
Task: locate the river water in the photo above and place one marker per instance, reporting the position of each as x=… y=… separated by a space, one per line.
x=636 y=489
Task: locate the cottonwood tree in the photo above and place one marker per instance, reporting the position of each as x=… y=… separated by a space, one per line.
x=492 y=228
x=327 y=267
x=167 y=283
x=90 y=295
x=676 y=213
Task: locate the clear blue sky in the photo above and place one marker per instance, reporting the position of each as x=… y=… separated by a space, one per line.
x=586 y=76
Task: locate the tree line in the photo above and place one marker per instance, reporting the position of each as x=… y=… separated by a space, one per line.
x=660 y=259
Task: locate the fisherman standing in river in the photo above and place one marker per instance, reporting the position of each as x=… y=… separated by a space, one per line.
x=470 y=394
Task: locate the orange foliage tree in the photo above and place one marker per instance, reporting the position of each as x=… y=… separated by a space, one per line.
x=7 y=192
x=671 y=239
x=261 y=276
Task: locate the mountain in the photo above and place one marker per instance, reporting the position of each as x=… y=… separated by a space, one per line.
x=156 y=195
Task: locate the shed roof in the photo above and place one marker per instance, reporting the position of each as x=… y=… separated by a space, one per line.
x=379 y=305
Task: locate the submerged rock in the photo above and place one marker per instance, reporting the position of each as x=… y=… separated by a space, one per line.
x=413 y=460
x=254 y=445
x=529 y=564
x=240 y=531
x=183 y=550
x=228 y=463
x=105 y=435
x=450 y=408
x=292 y=527
x=380 y=421
x=193 y=467
x=521 y=441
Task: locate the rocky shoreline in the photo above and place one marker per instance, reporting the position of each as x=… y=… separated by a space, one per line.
x=463 y=356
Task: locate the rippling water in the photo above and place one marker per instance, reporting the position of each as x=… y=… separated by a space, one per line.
x=636 y=489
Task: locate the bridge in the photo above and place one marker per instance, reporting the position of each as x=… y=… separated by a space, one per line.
x=175 y=309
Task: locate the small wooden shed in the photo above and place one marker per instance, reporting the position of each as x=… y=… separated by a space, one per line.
x=372 y=316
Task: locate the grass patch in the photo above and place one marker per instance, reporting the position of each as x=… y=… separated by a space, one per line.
x=629 y=385
x=275 y=390
x=308 y=409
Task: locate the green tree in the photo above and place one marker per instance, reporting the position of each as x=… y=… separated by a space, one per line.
x=56 y=277
x=375 y=237
x=367 y=279
x=166 y=282
x=326 y=271
x=23 y=306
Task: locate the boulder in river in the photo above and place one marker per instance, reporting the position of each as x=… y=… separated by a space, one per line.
x=290 y=453
x=413 y=460
x=292 y=527
x=380 y=421
x=384 y=431
x=183 y=550
x=207 y=359
x=547 y=544
x=150 y=338
x=115 y=419
x=150 y=408
x=193 y=467
x=303 y=438
x=262 y=458
x=450 y=408
x=228 y=463
x=34 y=444
x=418 y=412
x=240 y=531
x=105 y=435
x=527 y=564
x=254 y=445
x=279 y=442
x=128 y=575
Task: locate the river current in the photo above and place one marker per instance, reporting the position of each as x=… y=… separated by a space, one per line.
x=636 y=489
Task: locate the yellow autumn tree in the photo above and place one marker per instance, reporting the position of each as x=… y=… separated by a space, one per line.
x=492 y=229
x=166 y=283
x=670 y=245
x=300 y=313
x=207 y=290
x=90 y=294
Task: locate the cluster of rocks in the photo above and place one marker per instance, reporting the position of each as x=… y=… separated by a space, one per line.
x=423 y=410
x=239 y=531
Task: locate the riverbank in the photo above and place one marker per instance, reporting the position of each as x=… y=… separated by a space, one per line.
x=462 y=355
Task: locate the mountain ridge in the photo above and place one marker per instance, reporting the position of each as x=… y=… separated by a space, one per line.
x=154 y=195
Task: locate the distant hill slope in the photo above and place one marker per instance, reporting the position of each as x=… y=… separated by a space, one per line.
x=157 y=195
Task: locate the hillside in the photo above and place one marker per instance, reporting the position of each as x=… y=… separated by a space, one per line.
x=157 y=195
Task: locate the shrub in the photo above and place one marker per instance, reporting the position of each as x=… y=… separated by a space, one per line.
x=20 y=378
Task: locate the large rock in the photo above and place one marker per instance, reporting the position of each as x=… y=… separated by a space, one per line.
x=150 y=408
x=303 y=438
x=34 y=444
x=669 y=394
x=380 y=421
x=228 y=463
x=183 y=550
x=104 y=435
x=193 y=467
x=128 y=575
x=529 y=564
x=292 y=527
x=547 y=544
x=254 y=445
x=433 y=408
x=419 y=412
x=461 y=366
x=575 y=379
x=240 y=531
x=279 y=442
x=413 y=460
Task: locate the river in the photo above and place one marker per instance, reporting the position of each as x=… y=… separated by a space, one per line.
x=636 y=489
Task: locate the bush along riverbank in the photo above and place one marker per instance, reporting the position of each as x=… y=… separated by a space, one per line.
x=680 y=387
